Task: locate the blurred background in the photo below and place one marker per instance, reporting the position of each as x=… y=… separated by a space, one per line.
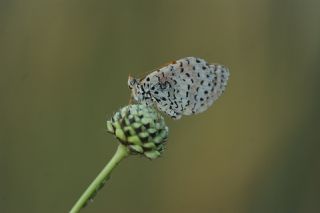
x=63 y=71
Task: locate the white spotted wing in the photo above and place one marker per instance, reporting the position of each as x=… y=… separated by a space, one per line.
x=184 y=87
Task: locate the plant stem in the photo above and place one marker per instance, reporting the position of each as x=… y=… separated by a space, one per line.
x=120 y=154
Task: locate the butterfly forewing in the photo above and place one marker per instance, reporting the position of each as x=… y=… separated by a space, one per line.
x=184 y=87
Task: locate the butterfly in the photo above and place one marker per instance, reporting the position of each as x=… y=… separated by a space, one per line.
x=184 y=87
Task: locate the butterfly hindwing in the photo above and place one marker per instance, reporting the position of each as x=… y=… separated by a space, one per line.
x=184 y=87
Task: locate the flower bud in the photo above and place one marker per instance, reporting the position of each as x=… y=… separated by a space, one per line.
x=141 y=129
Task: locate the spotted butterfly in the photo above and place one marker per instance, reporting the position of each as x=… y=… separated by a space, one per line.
x=184 y=87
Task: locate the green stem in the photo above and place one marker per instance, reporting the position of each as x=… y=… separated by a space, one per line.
x=120 y=154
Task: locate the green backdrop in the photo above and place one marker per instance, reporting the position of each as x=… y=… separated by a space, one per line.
x=63 y=71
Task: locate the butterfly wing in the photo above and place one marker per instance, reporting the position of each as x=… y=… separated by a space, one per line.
x=187 y=86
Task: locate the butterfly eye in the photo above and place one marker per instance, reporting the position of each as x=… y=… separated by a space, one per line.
x=132 y=82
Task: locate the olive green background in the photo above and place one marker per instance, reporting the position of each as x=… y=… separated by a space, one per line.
x=63 y=71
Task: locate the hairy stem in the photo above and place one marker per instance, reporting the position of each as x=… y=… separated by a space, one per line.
x=120 y=154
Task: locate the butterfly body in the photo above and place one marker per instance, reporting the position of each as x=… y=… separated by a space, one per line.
x=184 y=87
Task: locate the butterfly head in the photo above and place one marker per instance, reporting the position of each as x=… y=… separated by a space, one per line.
x=132 y=82
x=139 y=93
x=133 y=86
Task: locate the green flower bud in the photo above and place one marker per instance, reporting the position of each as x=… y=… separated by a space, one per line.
x=141 y=129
